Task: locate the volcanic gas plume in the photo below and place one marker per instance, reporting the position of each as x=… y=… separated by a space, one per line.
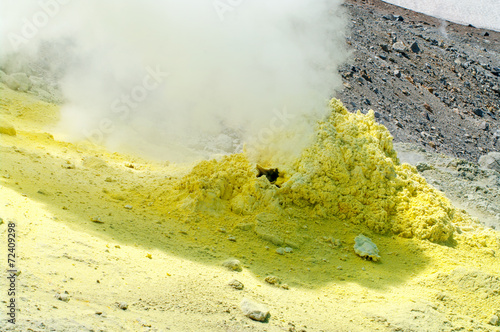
x=176 y=79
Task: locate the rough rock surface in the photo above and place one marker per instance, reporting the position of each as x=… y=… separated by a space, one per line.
x=445 y=96
x=365 y=248
x=254 y=310
x=466 y=184
x=490 y=161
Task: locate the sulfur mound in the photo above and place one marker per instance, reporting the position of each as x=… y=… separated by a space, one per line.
x=350 y=173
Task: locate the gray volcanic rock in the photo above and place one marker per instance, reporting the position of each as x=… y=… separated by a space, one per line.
x=254 y=310
x=491 y=161
x=433 y=83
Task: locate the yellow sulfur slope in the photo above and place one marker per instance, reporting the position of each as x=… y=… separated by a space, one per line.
x=347 y=182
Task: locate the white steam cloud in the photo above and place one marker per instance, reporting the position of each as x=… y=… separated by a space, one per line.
x=156 y=75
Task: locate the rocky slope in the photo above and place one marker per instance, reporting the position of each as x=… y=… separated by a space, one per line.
x=430 y=82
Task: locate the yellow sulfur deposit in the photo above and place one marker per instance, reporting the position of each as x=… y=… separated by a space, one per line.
x=349 y=174
x=94 y=215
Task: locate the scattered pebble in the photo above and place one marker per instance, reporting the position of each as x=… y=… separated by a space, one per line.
x=231 y=238
x=399 y=47
x=236 y=284
x=288 y=249
x=123 y=305
x=254 y=310
x=273 y=280
x=97 y=220
x=365 y=248
x=415 y=48
x=233 y=264
x=63 y=297
x=280 y=251
x=129 y=207
x=494 y=320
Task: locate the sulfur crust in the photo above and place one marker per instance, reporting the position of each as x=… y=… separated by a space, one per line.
x=350 y=173
x=347 y=182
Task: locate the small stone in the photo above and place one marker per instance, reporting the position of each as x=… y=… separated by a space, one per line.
x=63 y=297
x=397 y=73
x=280 y=251
x=391 y=17
x=149 y=256
x=490 y=161
x=494 y=320
x=483 y=125
x=231 y=238
x=414 y=48
x=272 y=280
x=399 y=47
x=478 y=112
x=288 y=250
x=128 y=207
x=236 y=284
x=68 y=165
x=123 y=305
x=385 y=47
x=254 y=310
x=285 y=286
x=97 y=220
x=233 y=265
x=365 y=248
